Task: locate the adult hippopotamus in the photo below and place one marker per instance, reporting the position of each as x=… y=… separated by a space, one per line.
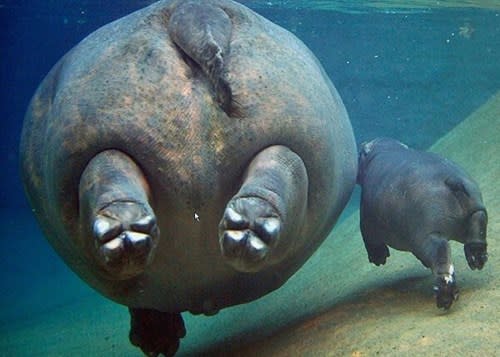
x=187 y=157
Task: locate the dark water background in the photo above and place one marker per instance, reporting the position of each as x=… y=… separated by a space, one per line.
x=407 y=75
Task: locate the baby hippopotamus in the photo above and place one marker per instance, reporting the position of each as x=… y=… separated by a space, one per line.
x=416 y=201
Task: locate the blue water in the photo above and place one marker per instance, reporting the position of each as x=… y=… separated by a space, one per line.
x=410 y=75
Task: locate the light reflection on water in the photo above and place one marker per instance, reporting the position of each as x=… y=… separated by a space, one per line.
x=388 y=6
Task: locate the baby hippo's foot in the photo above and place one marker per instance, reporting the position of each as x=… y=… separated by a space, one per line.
x=377 y=253
x=249 y=231
x=446 y=290
x=476 y=255
x=125 y=234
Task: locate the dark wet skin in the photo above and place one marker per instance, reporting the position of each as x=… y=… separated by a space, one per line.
x=156 y=332
x=194 y=155
x=114 y=197
x=416 y=201
x=115 y=192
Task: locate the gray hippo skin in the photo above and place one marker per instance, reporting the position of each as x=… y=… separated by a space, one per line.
x=187 y=157
x=416 y=201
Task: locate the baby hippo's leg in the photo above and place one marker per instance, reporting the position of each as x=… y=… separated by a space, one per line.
x=114 y=208
x=475 y=246
x=435 y=253
x=375 y=247
x=260 y=221
x=377 y=253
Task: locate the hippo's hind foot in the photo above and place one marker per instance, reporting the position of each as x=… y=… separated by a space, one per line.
x=156 y=332
x=434 y=252
x=124 y=234
x=476 y=254
x=446 y=290
x=270 y=204
x=475 y=247
x=114 y=206
x=251 y=227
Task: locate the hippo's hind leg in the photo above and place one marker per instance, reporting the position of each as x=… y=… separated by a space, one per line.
x=114 y=206
x=475 y=246
x=270 y=204
x=435 y=253
x=156 y=332
x=203 y=31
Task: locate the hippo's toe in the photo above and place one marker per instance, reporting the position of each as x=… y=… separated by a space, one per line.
x=125 y=236
x=250 y=228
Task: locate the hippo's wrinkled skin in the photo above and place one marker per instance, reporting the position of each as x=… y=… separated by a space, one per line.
x=416 y=201
x=190 y=156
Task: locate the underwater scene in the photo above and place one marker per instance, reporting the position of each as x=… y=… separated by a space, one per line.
x=426 y=73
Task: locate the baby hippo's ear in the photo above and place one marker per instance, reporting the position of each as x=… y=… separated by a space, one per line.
x=364 y=150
